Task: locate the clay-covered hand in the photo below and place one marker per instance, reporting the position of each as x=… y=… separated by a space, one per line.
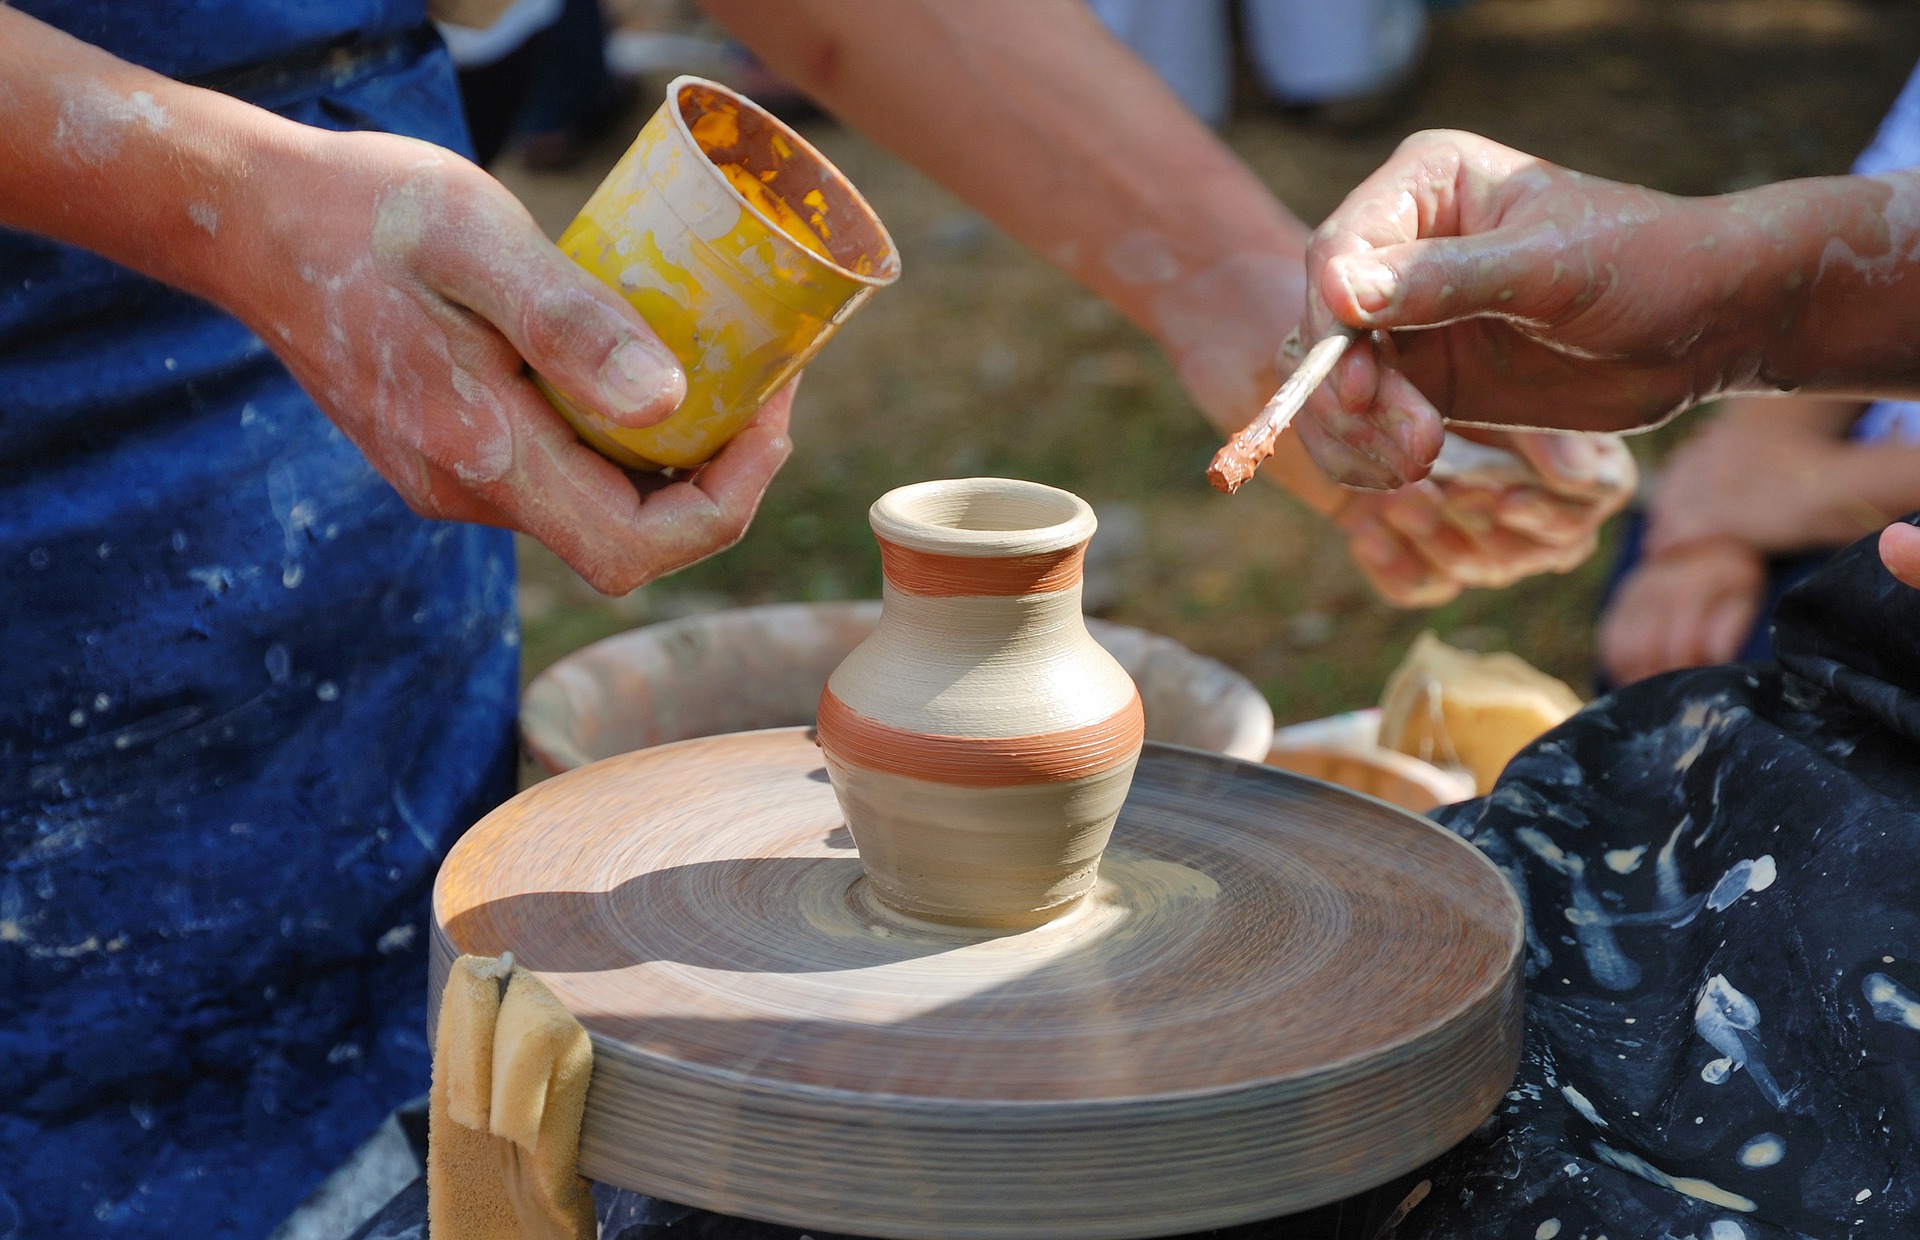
x=1420 y=545
x=1689 y=607
x=409 y=292
x=1552 y=299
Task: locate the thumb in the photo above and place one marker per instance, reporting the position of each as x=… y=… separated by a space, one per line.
x=1444 y=279
x=1900 y=552
x=569 y=326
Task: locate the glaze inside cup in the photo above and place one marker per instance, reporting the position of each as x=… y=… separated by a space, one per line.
x=730 y=129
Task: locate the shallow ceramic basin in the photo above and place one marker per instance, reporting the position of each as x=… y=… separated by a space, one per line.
x=764 y=667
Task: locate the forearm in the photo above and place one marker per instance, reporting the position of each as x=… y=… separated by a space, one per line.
x=1780 y=475
x=146 y=171
x=1881 y=482
x=1030 y=112
x=1827 y=277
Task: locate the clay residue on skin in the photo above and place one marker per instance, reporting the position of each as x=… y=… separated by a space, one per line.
x=1222 y=328
x=1142 y=257
x=95 y=119
x=205 y=217
x=483 y=450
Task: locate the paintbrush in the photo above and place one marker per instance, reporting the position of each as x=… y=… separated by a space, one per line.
x=1237 y=461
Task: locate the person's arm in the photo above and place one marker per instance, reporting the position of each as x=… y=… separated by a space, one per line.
x=1522 y=294
x=1781 y=474
x=1029 y=111
x=401 y=285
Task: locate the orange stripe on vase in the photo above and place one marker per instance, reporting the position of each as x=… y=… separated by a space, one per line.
x=934 y=575
x=981 y=762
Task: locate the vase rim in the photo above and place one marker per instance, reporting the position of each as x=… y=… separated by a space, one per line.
x=987 y=517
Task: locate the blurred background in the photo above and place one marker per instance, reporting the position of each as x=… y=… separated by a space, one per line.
x=982 y=360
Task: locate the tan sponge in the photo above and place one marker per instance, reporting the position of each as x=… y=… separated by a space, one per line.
x=509 y=1087
x=1454 y=707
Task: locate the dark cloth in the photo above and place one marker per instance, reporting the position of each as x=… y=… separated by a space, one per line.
x=1723 y=950
x=248 y=701
x=635 y=1216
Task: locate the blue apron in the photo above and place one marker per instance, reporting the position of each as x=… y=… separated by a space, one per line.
x=247 y=700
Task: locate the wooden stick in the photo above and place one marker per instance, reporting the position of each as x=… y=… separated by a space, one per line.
x=1236 y=462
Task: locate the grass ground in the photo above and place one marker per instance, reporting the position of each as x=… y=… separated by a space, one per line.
x=985 y=361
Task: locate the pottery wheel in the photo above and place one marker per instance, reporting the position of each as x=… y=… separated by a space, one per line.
x=1280 y=994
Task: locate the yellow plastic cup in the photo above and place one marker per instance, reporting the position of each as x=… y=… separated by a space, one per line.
x=741 y=246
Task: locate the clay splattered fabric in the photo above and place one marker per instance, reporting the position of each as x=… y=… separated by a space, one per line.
x=247 y=700
x=1723 y=952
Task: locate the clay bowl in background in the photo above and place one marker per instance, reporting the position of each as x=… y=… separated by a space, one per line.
x=764 y=667
x=1396 y=778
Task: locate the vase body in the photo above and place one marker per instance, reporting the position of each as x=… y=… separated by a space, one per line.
x=980 y=741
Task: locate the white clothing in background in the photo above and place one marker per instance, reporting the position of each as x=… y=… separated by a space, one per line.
x=1306 y=51
x=473 y=48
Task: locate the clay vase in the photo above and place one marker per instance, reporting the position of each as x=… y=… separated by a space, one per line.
x=980 y=741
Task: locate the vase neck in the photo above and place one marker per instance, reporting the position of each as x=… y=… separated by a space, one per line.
x=986 y=623
x=984 y=601
x=930 y=574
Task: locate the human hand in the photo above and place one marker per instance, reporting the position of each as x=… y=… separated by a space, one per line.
x=1465 y=526
x=1688 y=607
x=1553 y=300
x=404 y=288
x=1900 y=552
x=1420 y=546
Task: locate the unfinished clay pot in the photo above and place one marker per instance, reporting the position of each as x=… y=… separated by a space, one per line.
x=980 y=741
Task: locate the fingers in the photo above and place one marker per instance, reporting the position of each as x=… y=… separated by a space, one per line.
x=1508 y=272
x=687 y=521
x=1397 y=573
x=1724 y=626
x=1419 y=193
x=576 y=331
x=1596 y=468
x=1900 y=552
x=1685 y=610
x=588 y=513
x=1370 y=428
x=1634 y=631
